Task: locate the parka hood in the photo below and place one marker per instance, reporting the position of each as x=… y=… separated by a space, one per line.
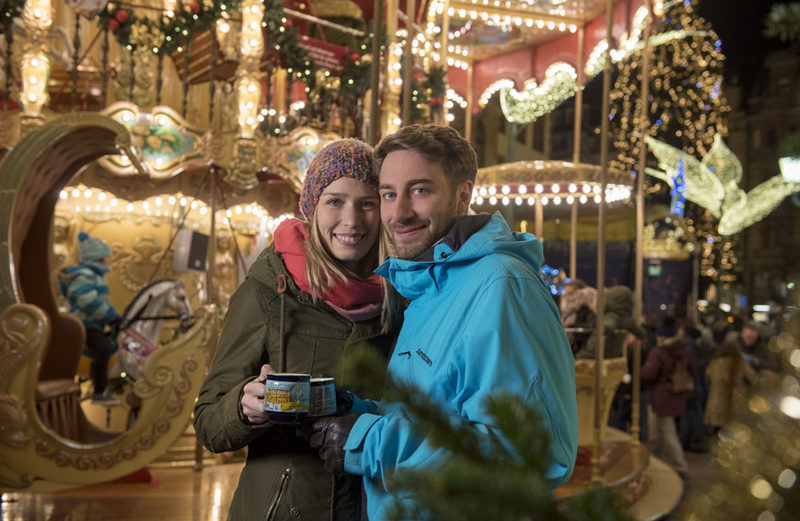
x=412 y=278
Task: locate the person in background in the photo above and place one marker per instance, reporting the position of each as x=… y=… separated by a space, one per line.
x=754 y=349
x=481 y=322
x=658 y=371
x=700 y=352
x=314 y=291
x=728 y=375
x=84 y=286
x=578 y=311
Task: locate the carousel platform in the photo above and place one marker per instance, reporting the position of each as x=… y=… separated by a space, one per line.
x=183 y=494
x=647 y=487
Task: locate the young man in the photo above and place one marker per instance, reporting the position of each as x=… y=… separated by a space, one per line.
x=480 y=321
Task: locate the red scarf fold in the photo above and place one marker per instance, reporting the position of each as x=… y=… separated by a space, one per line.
x=356 y=300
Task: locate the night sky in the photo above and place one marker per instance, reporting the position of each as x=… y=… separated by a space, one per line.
x=740 y=25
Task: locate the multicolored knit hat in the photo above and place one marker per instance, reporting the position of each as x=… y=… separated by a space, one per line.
x=92 y=248
x=341 y=158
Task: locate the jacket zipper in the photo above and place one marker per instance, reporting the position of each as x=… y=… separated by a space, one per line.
x=281 y=488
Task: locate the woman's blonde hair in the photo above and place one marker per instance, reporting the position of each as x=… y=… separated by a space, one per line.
x=323 y=270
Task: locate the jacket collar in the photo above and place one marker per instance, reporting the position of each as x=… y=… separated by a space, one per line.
x=413 y=278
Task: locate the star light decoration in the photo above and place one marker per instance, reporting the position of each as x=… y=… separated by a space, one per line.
x=713 y=183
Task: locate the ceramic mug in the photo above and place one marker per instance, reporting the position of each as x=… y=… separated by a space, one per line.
x=286 y=399
x=323 y=397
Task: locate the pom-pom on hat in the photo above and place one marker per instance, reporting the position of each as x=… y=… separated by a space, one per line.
x=341 y=158
x=92 y=248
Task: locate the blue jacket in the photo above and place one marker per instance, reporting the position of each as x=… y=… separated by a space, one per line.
x=481 y=322
x=85 y=287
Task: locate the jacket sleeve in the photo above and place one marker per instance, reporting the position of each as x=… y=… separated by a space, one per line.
x=88 y=296
x=218 y=418
x=652 y=366
x=512 y=343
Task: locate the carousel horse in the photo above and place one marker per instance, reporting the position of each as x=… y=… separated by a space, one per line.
x=141 y=322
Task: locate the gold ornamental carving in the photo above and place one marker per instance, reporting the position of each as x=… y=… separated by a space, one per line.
x=13 y=421
x=23 y=328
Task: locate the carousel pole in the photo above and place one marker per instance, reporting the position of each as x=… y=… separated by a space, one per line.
x=375 y=72
x=76 y=46
x=468 y=113
x=638 y=284
x=576 y=158
x=408 y=58
x=601 y=252
x=539 y=217
x=443 y=52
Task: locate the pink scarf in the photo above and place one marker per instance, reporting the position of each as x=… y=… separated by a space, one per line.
x=355 y=300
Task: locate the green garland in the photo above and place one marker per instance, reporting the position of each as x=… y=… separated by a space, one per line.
x=435 y=82
x=283 y=38
x=10 y=9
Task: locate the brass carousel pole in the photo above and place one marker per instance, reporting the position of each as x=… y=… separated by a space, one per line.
x=638 y=285
x=375 y=73
x=468 y=113
x=408 y=67
x=601 y=251
x=539 y=217
x=576 y=158
x=443 y=53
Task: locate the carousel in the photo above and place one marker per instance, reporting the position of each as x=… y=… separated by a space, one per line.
x=179 y=133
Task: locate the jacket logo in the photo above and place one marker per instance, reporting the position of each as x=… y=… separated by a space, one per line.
x=424 y=357
x=405 y=353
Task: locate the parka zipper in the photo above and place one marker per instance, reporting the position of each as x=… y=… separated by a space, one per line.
x=278 y=495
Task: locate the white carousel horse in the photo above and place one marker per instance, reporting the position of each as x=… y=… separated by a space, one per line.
x=141 y=322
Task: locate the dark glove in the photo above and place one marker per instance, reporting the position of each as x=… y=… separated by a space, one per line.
x=344 y=402
x=328 y=435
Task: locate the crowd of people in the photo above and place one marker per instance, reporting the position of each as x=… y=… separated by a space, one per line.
x=693 y=375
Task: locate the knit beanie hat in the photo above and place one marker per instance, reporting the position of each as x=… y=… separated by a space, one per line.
x=92 y=248
x=341 y=158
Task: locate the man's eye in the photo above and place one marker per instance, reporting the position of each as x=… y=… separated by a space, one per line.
x=388 y=195
x=419 y=191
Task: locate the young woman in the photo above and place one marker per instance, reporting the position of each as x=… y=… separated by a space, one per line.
x=307 y=298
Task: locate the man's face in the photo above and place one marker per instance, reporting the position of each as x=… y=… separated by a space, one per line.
x=749 y=336
x=417 y=204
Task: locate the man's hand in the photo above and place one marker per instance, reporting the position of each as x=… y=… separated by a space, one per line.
x=328 y=435
x=253 y=397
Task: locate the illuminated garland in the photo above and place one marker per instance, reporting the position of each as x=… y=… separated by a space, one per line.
x=535 y=101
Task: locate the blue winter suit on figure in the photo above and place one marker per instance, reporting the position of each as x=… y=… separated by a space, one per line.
x=480 y=323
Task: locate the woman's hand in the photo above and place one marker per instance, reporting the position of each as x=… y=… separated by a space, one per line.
x=253 y=397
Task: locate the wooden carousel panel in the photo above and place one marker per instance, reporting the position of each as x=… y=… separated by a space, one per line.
x=200 y=61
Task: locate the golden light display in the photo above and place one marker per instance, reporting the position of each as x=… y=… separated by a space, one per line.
x=688 y=108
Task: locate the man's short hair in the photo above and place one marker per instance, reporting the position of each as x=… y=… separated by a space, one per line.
x=437 y=144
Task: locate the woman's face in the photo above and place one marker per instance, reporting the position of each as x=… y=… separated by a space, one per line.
x=348 y=219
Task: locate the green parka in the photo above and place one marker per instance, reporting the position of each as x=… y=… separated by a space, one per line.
x=284 y=478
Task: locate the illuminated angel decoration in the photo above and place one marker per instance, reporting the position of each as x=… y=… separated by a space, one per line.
x=713 y=183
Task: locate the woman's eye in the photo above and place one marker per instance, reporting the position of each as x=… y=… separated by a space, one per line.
x=333 y=202
x=369 y=205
